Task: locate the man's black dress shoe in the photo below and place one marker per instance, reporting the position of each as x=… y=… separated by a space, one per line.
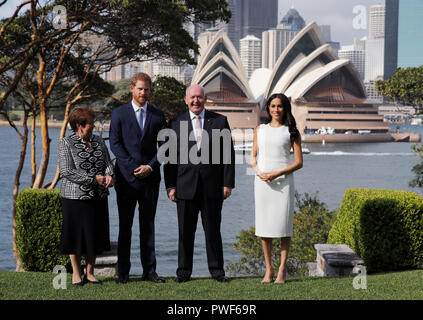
x=221 y=279
x=122 y=279
x=181 y=279
x=153 y=277
x=85 y=280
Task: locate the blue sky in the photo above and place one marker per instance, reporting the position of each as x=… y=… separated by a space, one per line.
x=410 y=39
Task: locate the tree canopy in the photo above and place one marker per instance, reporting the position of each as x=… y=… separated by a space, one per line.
x=405 y=87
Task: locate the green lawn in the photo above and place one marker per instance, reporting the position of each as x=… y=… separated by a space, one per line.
x=397 y=285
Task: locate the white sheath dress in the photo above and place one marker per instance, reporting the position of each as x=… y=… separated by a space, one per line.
x=274 y=201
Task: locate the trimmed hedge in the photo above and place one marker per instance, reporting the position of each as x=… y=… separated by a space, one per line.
x=38 y=229
x=384 y=227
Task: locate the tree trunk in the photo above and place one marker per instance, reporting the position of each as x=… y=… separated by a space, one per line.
x=42 y=169
x=33 y=148
x=62 y=135
x=24 y=139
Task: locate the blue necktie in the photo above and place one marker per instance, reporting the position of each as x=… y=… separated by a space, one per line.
x=140 y=119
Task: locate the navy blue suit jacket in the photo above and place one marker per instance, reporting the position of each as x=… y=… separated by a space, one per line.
x=133 y=149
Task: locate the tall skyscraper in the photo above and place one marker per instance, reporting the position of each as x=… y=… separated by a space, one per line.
x=325 y=30
x=250 y=17
x=391 y=38
x=404 y=34
x=204 y=39
x=377 y=21
x=250 y=53
x=274 y=41
x=375 y=44
x=356 y=54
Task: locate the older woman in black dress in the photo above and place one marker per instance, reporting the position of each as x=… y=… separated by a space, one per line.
x=87 y=172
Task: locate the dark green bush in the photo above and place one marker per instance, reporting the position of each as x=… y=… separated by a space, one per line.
x=311 y=226
x=384 y=227
x=38 y=229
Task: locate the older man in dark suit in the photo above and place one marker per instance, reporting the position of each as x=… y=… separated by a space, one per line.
x=202 y=182
x=133 y=139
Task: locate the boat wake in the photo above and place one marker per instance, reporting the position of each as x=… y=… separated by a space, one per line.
x=362 y=154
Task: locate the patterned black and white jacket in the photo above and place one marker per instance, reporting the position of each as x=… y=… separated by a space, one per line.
x=79 y=165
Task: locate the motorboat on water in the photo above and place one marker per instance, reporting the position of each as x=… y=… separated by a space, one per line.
x=416 y=121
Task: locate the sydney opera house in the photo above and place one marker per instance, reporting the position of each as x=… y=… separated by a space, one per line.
x=324 y=91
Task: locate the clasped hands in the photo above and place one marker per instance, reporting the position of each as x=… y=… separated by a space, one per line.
x=268 y=176
x=105 y=181
x=142 y=171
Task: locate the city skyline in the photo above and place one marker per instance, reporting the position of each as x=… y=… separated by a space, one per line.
x=339 y=14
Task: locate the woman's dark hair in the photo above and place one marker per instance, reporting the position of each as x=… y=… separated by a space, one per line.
x=81 y=116
x=287 y=117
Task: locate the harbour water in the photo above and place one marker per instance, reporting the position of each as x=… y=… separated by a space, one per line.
x=329 y=169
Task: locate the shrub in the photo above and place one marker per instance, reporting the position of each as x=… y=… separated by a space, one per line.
x=38 y=229
x=384 y=227
x=311 y=225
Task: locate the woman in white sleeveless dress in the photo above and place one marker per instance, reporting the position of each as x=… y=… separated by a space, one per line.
x=274 y=181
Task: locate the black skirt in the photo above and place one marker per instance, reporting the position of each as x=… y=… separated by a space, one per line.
x=85 y=228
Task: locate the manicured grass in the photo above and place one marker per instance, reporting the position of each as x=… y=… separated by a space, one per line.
x=33 y=285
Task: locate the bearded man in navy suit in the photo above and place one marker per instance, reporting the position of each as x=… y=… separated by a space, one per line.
x=133 y=140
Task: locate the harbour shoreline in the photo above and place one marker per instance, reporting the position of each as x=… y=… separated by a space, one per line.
x=246 y=135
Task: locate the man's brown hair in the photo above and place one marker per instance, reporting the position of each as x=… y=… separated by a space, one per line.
x=140 y=76
x=81 y=116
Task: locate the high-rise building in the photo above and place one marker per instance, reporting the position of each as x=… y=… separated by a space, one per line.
x=274 y=41
x=403 y=47
x=374 y=59
x=375 y=44
x=205 y=38
x=292 y=20
x=250 y=17
x=391 y=38
x=250 y=53
x=377 y=21
x=325 y=31
x=356 y=54
x=372 y=93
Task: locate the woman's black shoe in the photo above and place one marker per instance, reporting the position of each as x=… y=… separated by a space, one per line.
x=79 y=284
x=93 y=282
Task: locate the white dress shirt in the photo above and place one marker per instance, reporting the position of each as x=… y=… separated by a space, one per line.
x=192 y=115
x=138 y=112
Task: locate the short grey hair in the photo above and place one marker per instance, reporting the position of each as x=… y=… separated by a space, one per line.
x=194 y=84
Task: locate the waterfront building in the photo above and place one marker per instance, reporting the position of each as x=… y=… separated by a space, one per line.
x=371 y=92
x=221 y=73
x=403 y=47
x=250 y=53
x=325 y=91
